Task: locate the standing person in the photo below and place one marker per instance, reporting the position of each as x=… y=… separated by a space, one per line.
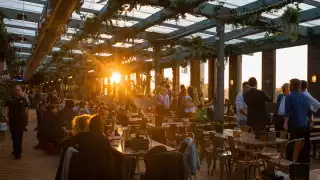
x=241 y=107
x=26 y=97
x=16 y=111
x=257 y=115
x=37 y=101
x=298 y=118
x=314 y=104
x=82 y=109
x=280 y=111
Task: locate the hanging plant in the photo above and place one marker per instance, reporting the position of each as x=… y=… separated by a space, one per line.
x=290 y=19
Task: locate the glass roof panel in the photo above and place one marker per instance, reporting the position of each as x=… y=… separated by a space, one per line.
x=228 y=28
x=189 y=20
x=202 y=35
x=22 y=5
x=92 y=5
x=125 y=45
x=21 y=31
x=161 y=29
x=21 y=23
x=77 y=16
x=122 y=23
x=103 y=54
x=256 y=36
x=277 y=14
x=23 y=45
x=55 y=49
x=143 y=12
x=23 y=53
x=311 y=23
x=106 y=36
x=234 y=41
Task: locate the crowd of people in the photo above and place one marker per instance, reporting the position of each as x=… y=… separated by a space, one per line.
x=293 y=111
x=189 y=102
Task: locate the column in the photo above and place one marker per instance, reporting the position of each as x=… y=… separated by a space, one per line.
x=195 y=73
x=219 y=103
x=148 y=81
x=176 y=77
x=156 y=59
x=138 y=82
x=212 y=78
x=202 y=74
x=313 y=71
x=269 y=73
x=235 y=76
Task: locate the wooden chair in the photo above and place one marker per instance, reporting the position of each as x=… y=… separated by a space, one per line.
x=281 y=162
x=219 y=153
x=171 y=133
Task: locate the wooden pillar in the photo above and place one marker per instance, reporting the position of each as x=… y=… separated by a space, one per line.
x=212 y=79
x=138 y=82
x=235 y=76
x=195 y=73
x=313 y=71
x=156 y=59
x=269 y=73
x=219 y=103
x=148 y=83
x=176 y=77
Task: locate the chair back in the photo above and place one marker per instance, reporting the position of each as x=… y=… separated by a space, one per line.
x=171 y=132
x=159 y=134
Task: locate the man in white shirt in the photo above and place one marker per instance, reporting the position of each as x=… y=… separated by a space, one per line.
x=241 y=107
x=315 y=104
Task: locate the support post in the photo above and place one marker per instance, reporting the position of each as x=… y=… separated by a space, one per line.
x=148 y=82
x=219 y=104
x=156 y=59
x=212 y=79
x=269 y=73
x=313 y=71
x=195 y=73
x=235 y=76
x=176 y=77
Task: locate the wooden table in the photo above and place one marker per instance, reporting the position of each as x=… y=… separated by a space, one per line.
x=127 y=151
x=248 y=139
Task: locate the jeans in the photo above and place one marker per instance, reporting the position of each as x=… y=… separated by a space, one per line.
x=241 y=122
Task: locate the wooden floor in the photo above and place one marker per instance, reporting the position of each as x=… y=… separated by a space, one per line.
x=36 y=165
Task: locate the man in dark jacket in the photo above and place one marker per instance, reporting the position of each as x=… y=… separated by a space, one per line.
x=15 y=112
x=257 y=115
x=280 y=111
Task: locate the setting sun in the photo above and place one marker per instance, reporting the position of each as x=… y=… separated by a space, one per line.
x=115 y=78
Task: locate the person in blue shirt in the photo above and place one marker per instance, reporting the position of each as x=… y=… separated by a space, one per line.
x=298 y=119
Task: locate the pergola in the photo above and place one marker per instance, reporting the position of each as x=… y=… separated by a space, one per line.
x=154 y=31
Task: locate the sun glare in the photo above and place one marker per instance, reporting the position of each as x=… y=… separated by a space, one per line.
x=115 y=78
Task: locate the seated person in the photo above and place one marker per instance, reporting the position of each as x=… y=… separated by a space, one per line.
x=46 y=127
x=80 y=124
x=94 y=158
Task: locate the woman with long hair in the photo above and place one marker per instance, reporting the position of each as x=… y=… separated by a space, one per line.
x=93 y=159
x=80 y=124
